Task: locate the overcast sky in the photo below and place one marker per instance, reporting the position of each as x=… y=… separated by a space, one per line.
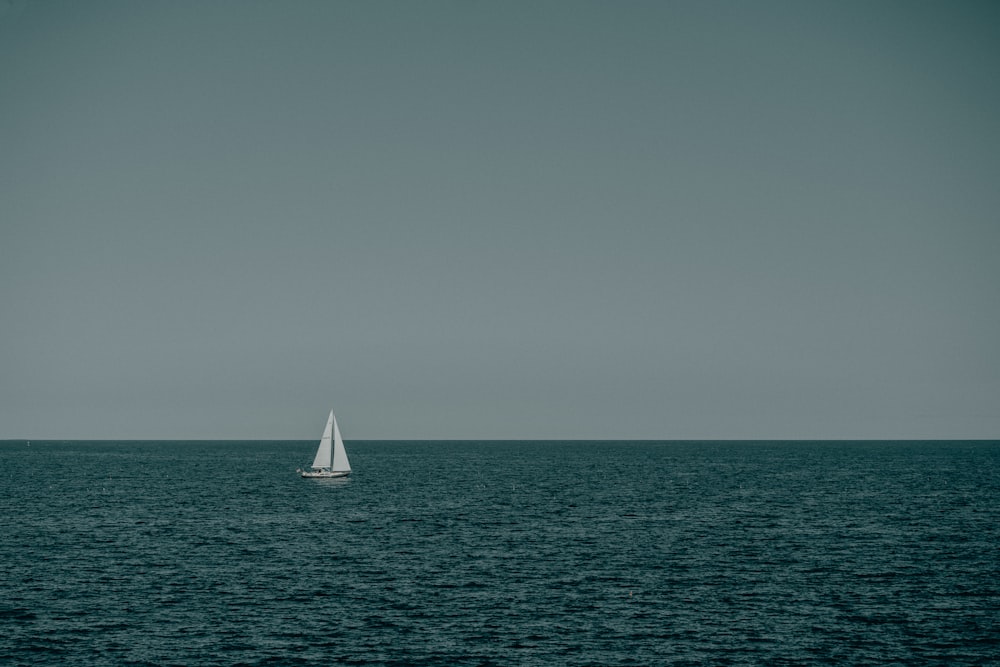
x=464 y=219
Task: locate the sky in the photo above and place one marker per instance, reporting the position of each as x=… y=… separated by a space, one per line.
x=500 y=220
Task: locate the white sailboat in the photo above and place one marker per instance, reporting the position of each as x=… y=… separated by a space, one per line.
x=331 y=457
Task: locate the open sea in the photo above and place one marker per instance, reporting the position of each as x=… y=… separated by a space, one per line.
x=501 y=553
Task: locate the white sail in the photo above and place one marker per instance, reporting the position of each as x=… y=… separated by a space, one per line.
x=325 y=451
x=340 y=462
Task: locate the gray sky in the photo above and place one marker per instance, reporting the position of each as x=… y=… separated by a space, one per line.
x=500 y=219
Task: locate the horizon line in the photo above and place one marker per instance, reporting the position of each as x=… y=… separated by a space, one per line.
x=551 y=440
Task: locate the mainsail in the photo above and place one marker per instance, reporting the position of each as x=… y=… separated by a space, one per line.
x=340 y=462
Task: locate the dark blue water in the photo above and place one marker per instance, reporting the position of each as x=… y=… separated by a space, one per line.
x=448 y=553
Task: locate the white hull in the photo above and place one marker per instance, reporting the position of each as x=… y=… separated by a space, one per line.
x=325 y=474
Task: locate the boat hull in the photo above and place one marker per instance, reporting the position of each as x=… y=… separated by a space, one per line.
x=324 y=474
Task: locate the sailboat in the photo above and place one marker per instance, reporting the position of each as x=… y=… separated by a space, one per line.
x=331 y=457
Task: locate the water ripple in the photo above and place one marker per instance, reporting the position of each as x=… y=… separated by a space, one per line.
x=501 y=553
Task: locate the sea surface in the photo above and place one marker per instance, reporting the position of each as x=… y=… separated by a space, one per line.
x=501 y=553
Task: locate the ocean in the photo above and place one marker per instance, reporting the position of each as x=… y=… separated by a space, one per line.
x=501 y=553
